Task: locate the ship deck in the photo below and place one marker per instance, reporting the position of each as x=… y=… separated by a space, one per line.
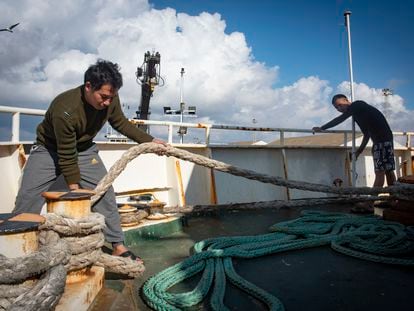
x=315 y=279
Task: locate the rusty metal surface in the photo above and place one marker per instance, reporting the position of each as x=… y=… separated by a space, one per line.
x=13 y=245
x=80 y=295
x=70 y=208
x=79 y=275
x=213 y=194
x=76 y=205
x=180 y=182
x=68 y=195
x=407 y=179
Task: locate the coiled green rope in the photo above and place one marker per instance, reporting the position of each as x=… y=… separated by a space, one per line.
x=368 y=238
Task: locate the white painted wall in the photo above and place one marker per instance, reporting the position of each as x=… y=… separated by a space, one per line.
x=196 y=179
x=237 y=189
x=151 y=171
x=145 y=171
x=10 y=174
x=321 y=166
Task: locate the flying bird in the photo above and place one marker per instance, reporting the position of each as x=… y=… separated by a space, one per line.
x=9 y=29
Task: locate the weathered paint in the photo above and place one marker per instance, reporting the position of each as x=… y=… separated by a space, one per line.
x=74 y=209
x=285 y=171
x=79 y=296
x=347 y=168
x=180 y=182
x=13 y=245
x=18 y=244
x=196 y=180
x=78 y=276
x=213 y=193
x=202 y=125
x=24 y=240
x=82 y=285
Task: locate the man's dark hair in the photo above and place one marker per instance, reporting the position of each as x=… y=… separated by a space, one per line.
x=337 y=96
x=103 y=72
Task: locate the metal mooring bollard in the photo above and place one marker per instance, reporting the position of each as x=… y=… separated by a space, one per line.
x=19 y=234
x=74 y=204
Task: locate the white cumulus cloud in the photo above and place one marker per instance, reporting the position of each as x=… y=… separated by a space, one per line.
x=57 y=40
x=393 y=107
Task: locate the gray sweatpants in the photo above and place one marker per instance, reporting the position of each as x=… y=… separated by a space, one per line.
x=41 y=171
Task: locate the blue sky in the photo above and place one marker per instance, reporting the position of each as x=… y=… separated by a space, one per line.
x=277 y=62
x=309 y=38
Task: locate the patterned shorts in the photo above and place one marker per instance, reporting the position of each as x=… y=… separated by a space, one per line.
x=383 y=154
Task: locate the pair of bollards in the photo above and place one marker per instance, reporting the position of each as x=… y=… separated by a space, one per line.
x=19 y=236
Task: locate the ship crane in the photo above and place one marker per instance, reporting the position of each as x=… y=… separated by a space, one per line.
x=148 y=76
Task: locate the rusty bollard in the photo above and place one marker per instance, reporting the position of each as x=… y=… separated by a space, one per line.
x=19 y=234
x=82 y=285
x=74 y=204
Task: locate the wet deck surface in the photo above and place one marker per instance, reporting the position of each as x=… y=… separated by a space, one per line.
x=311 y=279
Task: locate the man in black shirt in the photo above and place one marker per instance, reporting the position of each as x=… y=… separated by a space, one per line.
x=373 y=125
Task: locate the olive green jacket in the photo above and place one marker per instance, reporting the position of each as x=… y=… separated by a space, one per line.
x=70 y=125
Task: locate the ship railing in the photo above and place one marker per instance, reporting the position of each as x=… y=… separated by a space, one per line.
x=282 y=132
x=17 y=112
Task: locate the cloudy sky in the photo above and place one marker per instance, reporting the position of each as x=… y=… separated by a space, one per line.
x=278 y=62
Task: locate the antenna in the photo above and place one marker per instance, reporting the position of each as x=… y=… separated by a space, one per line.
x=347 y=15
x=191 y=111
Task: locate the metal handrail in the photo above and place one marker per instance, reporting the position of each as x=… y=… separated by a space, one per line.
x=17 y=112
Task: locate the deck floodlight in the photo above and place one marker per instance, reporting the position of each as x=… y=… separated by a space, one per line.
x=192 y=110
x=182 y=130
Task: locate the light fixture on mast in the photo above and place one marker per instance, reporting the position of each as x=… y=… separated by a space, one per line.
x=191 y=111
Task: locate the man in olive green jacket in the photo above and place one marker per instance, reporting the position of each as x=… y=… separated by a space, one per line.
x=64 y=146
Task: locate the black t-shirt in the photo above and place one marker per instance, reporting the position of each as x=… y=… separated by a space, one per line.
x=369 y=119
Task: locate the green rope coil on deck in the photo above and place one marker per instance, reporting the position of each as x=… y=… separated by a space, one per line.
x=368 y=238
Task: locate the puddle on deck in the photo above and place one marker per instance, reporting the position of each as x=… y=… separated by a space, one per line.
x=311 y=279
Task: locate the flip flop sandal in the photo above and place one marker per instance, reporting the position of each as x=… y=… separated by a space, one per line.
x=129 y=254
x=362 y=210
